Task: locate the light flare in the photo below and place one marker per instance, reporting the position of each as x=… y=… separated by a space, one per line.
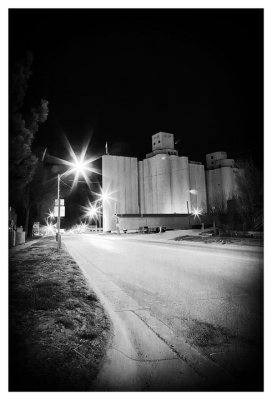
x=92 y=211
x=50 y=214
x=105 y=195
x=81 y=228
x=197 y=212
x=79 y=164
x=50 y=229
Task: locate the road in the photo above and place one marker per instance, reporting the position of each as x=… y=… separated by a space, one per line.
x=185 y=317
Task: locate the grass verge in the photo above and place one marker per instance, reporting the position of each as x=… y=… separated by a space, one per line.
x=58 y=330
x=220 y=240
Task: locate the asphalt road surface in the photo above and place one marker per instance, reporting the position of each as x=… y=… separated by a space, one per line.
x=185 y=317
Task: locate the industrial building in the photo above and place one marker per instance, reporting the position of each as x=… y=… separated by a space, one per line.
x=220 y=179
x=164 y=188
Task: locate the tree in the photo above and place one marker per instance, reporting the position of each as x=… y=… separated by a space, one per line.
x=249 y=198
x=23 y=125
x=41 y=196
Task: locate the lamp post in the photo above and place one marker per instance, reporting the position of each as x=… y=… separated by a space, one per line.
x=197 y=213
x=188 y=215
x=213 y=213
x=58 y=222
x=103 y=197
x=192 y=192
x=79 y=166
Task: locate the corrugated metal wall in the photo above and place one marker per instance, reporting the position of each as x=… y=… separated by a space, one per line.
x=120 y=180
x=198 y=194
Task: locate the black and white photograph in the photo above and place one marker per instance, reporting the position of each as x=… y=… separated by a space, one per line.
x=135 y=199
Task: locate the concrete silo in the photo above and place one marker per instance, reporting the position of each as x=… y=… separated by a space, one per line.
x=120 y=181
x=198 y=193
x=180 y=185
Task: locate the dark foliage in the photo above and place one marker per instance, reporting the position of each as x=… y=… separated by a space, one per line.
x=249 y=200
x=23 y=126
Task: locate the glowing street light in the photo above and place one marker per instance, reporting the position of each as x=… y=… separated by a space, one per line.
x=104 y=195
x=197 y=212
x=93 y=211
x=49 y=228
x=79 y=166
x=50 y=215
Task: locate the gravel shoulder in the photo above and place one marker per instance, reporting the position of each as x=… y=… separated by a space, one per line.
x=58 y=329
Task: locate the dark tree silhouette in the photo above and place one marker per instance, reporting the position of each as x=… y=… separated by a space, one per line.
x=23 y=125
x=42 y=194
x=249 y=197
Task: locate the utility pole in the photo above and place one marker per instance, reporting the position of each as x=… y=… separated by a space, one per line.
x=58 y=224
x=117 y=220
x=188 y=215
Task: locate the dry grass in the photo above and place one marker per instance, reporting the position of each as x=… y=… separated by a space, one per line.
x=58 y=329
x=220 y=240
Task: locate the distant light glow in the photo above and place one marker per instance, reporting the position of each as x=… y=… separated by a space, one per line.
x=82 y=227
x=50 y=229
x=50 y=214
x=197 y=212
x=104 y=195
x=79 y=228
x=92 y=211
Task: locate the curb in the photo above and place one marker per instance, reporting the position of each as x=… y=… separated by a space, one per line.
x=23 y=246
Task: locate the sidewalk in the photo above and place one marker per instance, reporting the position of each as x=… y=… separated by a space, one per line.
x=23 y=246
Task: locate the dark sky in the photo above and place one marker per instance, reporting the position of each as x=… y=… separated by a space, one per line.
x=124 y=75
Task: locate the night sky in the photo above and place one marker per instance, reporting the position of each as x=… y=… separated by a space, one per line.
x=123 y=75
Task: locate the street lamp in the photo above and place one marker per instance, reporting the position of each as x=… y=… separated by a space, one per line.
x=197 y=212
x=104 y=196
x=192 y=201
x=79 y=166
x=213 y=214
x=58 y=221
x=92 y=213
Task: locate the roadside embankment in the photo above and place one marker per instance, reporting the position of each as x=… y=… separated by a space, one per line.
x=193 y=238
x=58 y=329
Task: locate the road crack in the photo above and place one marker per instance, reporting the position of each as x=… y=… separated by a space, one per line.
x=178 y=354
x=147 y=360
